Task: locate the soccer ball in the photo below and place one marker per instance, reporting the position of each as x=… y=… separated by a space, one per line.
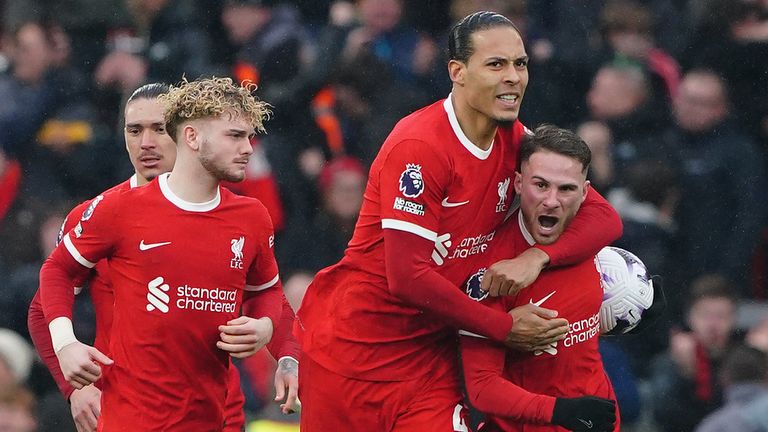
x=627 y=290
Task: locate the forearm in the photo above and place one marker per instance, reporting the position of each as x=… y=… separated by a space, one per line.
x=412 y=279
x=283 y=344
x=38 y=331
x=491 y=393
x=595 y=226
x=264 y=303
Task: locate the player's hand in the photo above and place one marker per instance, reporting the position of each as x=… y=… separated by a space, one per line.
x=586 y=413
x=535 y=328
x=508 y=277
x=244 y=336
x=287 y=376
x=80 y=363
x=85 y=404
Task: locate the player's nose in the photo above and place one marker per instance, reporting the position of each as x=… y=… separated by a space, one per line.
x=148 y=141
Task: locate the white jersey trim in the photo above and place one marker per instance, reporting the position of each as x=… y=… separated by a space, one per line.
x=186 y=205
x=133 y=181
x=75 y=253
x=408 y=227
x=264 y=285
x=468 y=333
x=526 y=234
x=463 y=138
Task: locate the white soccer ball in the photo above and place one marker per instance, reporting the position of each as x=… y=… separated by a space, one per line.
x=627 y=290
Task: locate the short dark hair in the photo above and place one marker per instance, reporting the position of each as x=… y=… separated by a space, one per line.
x=459 y=41
x=148 y=91
x=711 y=286
x=557 y=140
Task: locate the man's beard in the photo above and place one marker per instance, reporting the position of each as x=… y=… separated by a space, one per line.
x=504 y=123
x=218 y=172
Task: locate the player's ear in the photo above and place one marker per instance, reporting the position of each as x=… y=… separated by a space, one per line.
x=191 y=136
x=518 y=182
x=456 y=71
x=585 y=190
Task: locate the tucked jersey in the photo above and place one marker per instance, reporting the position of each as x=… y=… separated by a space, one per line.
x=429 y=180
x=178 y=270
x=571 y=367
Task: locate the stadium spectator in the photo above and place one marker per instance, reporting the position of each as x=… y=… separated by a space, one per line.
x=17 y=409
x=685 y=386
x=744 y=378
x=719 y=169
x=341 y=185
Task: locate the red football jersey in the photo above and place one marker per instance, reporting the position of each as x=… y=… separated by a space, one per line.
x=178 y=270
x=571 y=367
x=436 y=185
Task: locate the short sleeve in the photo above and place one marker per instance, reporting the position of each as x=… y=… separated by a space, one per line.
x=412 y=183
x=94 y=231
x=263 y=272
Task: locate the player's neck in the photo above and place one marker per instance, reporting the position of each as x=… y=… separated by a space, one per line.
x=193 y=183
x=479 y=128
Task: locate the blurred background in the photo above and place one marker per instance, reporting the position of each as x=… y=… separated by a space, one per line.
x=670 y=95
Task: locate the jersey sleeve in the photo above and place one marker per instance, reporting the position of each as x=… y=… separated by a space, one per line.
x=595 y=226
x=483 y=361
x=283 y=344
x=263 y=272
x=91 y=239
x=412 y=183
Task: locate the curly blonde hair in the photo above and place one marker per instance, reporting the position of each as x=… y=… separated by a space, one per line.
x=212 y=97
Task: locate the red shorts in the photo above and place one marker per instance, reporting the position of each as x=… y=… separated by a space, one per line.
x=331 y=402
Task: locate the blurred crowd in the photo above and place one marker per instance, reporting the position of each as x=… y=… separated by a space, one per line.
x=670 y=95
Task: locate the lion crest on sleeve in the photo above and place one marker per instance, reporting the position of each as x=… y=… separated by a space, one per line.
x=411 y=181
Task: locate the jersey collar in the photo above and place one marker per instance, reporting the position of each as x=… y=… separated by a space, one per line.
x=526 y=234
x=463 y=138
x=162 y=179
x=133 y=181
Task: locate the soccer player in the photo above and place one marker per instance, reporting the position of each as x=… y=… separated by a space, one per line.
x=171 y=345
x=378 y=329
x=152 y=152
x=544 y=390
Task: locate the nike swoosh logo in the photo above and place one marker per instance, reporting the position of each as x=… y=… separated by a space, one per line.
x=588 y=424
x=445 y=203
x=147 y=246
x=538 y=303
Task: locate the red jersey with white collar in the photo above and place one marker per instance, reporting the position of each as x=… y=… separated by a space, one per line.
x=571 y=367
x=431 y=181
x=178 y=270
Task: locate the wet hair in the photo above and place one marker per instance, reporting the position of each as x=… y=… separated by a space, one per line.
x=551 y=138
x=213 y=97
x=149 y=91
x=460 y=39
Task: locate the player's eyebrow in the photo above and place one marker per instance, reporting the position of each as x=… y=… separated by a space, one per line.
x=138 y=124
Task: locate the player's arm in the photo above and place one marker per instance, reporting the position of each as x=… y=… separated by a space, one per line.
x=595 y=226
x=412 y=180
x=69 y=263
x=285 y=349
x=38 y=327
x=489 y=392
x=41 y=338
